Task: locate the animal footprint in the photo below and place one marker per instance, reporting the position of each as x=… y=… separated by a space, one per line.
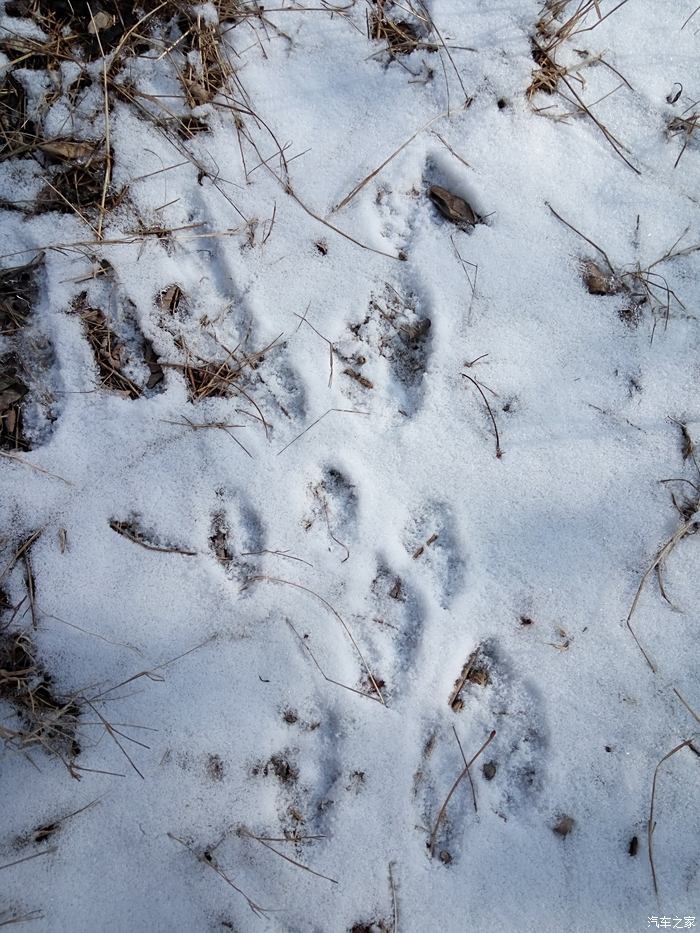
x=394 y=336
x=501 y=739
x=391 y=629
x=237 y=538
x=432 y=542
x=334 y=508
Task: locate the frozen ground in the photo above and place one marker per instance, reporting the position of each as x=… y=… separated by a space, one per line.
x=263 y=574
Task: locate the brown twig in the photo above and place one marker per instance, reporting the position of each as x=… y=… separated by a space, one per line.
x=651 y=825
x=477 y=385
x=443 y=808
x=305 y=589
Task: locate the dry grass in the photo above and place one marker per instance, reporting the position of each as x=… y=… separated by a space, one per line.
x=685 y=125
x=42 y=717
x=388 y=22
x=643 y=286
x=18 y=291
x=552 y=31
x=109 y=353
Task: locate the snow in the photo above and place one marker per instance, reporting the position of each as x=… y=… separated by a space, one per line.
x=327 y=508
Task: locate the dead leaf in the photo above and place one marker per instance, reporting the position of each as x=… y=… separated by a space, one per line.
x=68 y=150
x=455 y=209
x=597 y=281
x=100 y=21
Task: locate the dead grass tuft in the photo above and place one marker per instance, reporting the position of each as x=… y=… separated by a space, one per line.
x=43 y=718
x=685 y=126
x=18 y=291
x=387 y=22
x=109 y=353
x=13 y=393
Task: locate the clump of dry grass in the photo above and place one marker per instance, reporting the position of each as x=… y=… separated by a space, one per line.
x=387 y=22
x=206 y=69
x=18 y=290
x=42 y=717
x=552 y=29
x=13 y=392
x=643 y=286
x=109 y=353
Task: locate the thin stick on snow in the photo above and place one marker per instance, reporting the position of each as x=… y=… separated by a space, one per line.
x=686 y=704
x=207 y=858
x=394 y=901
x=499 y=452
x=33 y=466
x=108 y=154
x=246 y=832
x=583 y=237
x=347 y=411
x=305 y=589
x=651 y=825
x=378 y=169
x=329 y=680
x=687 y=528
x=469 y=774
x=28 y=858
x=443 y=808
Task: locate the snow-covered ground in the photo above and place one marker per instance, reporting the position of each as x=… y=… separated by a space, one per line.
x=337 y=405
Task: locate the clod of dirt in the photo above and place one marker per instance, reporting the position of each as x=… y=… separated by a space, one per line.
x=489 y=770
x=282 y=768
x=359 y=378
x=373 y=926
x=215 y=767
x=454 y=208
x=564 y=826
x=597 y=281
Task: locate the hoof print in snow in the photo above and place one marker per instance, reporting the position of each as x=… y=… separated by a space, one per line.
x=215 y=768
x=393 y=625
x=335 y=506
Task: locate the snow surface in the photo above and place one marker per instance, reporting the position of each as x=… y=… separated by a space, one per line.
x=559 y=530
